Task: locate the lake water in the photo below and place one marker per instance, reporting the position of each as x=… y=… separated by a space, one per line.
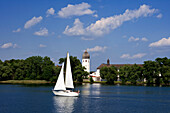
x=94 y=98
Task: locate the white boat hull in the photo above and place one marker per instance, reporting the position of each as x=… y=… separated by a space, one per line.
x=66 y=93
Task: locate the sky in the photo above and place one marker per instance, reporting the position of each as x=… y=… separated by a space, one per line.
x=124 y=31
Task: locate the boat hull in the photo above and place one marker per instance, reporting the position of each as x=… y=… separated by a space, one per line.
x=66 y=93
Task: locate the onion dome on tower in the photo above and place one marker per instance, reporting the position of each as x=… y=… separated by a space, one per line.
x=86 y=55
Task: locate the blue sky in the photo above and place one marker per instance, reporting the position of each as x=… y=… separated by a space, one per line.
x=125 y=31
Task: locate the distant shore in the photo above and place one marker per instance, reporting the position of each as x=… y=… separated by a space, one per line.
x=48 y=82
x=24 y=82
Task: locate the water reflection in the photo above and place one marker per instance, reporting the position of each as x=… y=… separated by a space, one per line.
x=64 y=104
x=91 y=89
x=96 y=88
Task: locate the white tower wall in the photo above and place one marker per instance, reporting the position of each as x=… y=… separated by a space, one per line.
x=86 y=64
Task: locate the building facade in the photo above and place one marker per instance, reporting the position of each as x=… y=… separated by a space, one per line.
x=96 y=75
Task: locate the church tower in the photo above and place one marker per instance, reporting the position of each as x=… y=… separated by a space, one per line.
x=86 y=61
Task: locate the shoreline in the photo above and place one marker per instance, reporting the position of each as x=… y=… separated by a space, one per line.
x=48 y=82
x=24 y=82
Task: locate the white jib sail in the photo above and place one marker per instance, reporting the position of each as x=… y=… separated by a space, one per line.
x=60 y=82
x=69 y=79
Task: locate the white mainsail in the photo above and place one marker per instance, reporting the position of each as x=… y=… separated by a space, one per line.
x=69 y=79
x=60 y=82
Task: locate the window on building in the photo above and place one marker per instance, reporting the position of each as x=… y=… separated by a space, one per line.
x=86 y=61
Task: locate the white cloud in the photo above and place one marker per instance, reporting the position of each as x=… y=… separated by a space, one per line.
x=128 y=56
x=15 y=45
x=97 y=49
x=75 y=10
x=110 y=23
x=50 y=11
x=8 y=45
x=32 y=22
x=18 y=30
x=76 y=30
x=131 y=39
x=124 y=36
x=160 y=43
x=159 y=16
x=139 y=55
x=144 y=39
x=95 y=15
x=42 y=32
x=105 y=25
x=125 y=56
x=41 y=45
x=84 y=38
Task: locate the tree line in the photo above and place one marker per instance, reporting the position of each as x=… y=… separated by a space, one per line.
x=151 y=72
x=38 y=68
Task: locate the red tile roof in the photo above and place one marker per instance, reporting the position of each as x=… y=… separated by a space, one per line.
x=117 y=65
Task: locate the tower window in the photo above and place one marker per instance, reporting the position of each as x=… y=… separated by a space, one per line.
x=86 y=60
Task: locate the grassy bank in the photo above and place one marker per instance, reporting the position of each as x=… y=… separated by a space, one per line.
x=128 y=83
x=47 y=82
x=24 y=82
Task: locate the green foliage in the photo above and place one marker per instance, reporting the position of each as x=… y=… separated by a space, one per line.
x=33 y=68
x=135 y=73
x=151 y=71
x=38 y=68
x=124 y=73
x=130 y=73
x=164 y=70
x=109 y=73
x=91 y=80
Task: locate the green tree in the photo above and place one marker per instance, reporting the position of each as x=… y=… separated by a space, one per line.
x=56 y=72
x=150 y=71
x=135 y=73
x=124 y=73
x=91 y=80
x=6 y=73
x=79 y=73
x=34 y=67
x=164 y=70
x=109 y=73
x=1 y=65
x=47 y=68
x=19 y=74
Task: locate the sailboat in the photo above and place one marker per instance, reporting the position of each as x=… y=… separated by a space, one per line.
x=65 y=88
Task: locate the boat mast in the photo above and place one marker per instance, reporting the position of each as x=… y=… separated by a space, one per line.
x=69 y=79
